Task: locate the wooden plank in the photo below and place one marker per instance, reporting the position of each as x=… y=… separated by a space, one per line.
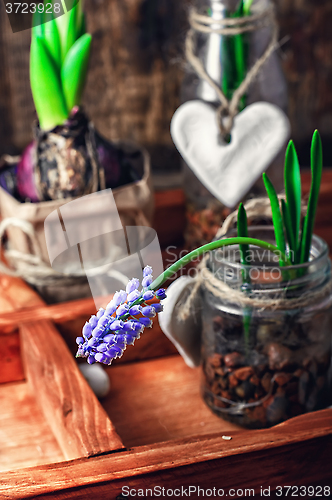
x=26 y=439
x=17 y=294
x=295 y=452
x=59 y=313
x=159 y=400
x=76 y=418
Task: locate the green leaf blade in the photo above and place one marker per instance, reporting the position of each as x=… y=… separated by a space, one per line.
x=72 y=30
x=52 y=41
x=74 y=69
x=62 y=25
x=242 y=230
x=46 y=87
x=316 y=177
x=293 y=191
x=276 y=215
x=289 y=232
x=37 y=24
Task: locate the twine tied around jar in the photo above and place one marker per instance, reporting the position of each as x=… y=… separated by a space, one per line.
x=255 y=208
x=200 y=23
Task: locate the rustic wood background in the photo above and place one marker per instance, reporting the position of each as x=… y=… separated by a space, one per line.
x=137 y=67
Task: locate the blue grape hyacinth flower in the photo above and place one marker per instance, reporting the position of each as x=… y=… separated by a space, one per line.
x=107 y=333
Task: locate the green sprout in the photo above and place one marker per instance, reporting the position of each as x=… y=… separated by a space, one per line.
x=59 y=59
x=299 y=241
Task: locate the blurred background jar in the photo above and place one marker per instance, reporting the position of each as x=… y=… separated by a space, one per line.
x=220 y=55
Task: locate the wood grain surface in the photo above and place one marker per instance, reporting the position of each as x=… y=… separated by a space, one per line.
x=74 y=414
x=25 y=437
x=159 y=400
x=290 y=453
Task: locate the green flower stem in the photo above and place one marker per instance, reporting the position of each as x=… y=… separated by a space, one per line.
x=242 y=231
x=214 y=245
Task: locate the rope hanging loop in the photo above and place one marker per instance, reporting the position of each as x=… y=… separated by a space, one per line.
x=200 y=23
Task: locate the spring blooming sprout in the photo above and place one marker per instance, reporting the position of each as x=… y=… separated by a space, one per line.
x=106 y=335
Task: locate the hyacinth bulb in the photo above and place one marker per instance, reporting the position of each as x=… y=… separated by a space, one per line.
x=26 y=183
x=64 y=151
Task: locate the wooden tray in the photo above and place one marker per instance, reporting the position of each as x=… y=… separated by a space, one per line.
x=57 y=441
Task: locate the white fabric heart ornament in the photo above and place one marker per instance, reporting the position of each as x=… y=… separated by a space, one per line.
x=228 y=171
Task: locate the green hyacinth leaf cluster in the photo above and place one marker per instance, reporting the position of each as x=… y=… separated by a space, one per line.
x=59 y=58
x=287 y=221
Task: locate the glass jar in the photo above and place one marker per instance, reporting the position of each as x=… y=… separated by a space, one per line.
x=267 y=356
x=205 y=214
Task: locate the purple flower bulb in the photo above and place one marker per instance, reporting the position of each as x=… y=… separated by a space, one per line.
x=102 y=347
x=134 y=310
x=100 y=313
x=102 y=322
x=161 y=294
x=147 y=271
x=157 y=307
x=91 y=359
x=101 y=357
x=93 y=321
x=92 y=342
x=87 y=331
x=148 y=295
x=130 y=339
x=79 y=340
x=98 y=332
x=146 y=322
x=132 y=326
x=119 y=338
x=148 y=311
x=111 y=308
x=134 y=296
x=109 y=338
x=120 y=345
x=121 y=310
x=116 y=325
x=132 y=285
x=137 y=335
x=114 y=350
x=147 y=280
x=120 y=297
